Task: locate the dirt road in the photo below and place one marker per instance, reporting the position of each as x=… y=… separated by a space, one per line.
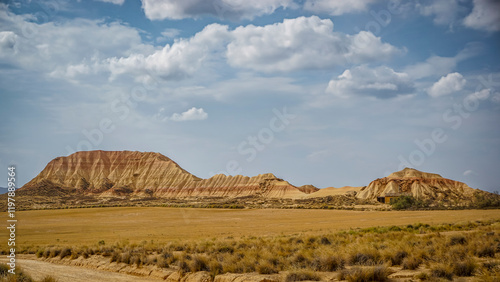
x=39 y=269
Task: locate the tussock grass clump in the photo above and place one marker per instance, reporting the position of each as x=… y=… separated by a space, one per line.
x=358 y=274
x=490 y=265
x=367 y=257
x=411 y=263
x=49 y=278
x=199 y=263
x=328 y=263
x=464 y=268
x=423 y=276
x=398 y=257
x=302 y=276
x=19 y=275
x=266 y=268
x=457 y=239
x=65 y=252
x=442 y=271
x=54 y=252
x=485 y=251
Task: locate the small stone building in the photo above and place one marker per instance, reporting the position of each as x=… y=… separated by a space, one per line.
x=387 y=198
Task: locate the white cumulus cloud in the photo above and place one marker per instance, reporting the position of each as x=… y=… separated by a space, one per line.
x=337 y=7
x=439 y=66
x=447 y=84
x=8 y=41
x=176 y=61
x=484 y=16
x=224 y=9
x=191 y=114
x=381 y=82
x=444 y=12
x=116 y=2
x=303 y=43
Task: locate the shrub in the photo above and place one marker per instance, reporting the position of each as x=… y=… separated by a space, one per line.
x=74 y=255
x=457 y=239
x=123 y=257
x=39 y=253
x=423 y=276
x=115 y=257
x=48 y=278
x=162 y=262
x=4 y=269
x=327 y=263
x=485 y=251
x=20 y=276
x=464 y=268
x=325 y=241
x=266 y=268
x=65 y=252
x=199 y=263
x=54 y=252
x=490 y=265
x=358 y=274
x=406 y=202
x=215 y=268
x=411 y=263
x=364 y=258
x=226 y=249
x=398 y=257
x=442 y=271
x=302 y=276
x=183 y=266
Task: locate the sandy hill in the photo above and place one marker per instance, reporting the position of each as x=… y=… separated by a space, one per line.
x=421 y=185
x=332 y=191
x=139 y=174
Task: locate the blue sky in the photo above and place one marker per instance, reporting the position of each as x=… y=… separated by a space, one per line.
x=329 y=93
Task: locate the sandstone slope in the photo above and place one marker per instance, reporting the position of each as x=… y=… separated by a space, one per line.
x=421 y=185
x=137 y=174
x=332 y=191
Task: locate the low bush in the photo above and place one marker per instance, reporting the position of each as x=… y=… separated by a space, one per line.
x=358 y=274
x=199 y=263
x=266 y=268
x=398 y=257
x=65 y=253
x=464 y=268
x=363 y=258
x=411 y=263
x=442 y=271
x=457 y=239
x=302 y=276
x=485 y=251
x=327 y=263
x=407 y=202
x=49 y=278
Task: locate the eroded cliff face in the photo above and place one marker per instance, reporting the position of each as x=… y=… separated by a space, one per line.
x=138 y=174
x=421 y=185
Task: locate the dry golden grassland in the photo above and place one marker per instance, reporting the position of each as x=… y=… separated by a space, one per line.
x=162 y=225
x=296 y=244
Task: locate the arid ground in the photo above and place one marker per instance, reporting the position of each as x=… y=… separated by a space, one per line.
x=284 y=244
x=89 y=226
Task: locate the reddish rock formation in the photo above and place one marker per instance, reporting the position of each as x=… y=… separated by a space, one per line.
x=308 y=189
x=138 y=174
x=421 y=185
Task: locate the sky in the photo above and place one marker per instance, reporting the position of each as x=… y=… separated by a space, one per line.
x=321 y=92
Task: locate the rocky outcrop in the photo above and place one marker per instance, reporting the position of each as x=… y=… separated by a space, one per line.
x=421 y=185
x=136 y=174
x=308 y=189
x=332 y=191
